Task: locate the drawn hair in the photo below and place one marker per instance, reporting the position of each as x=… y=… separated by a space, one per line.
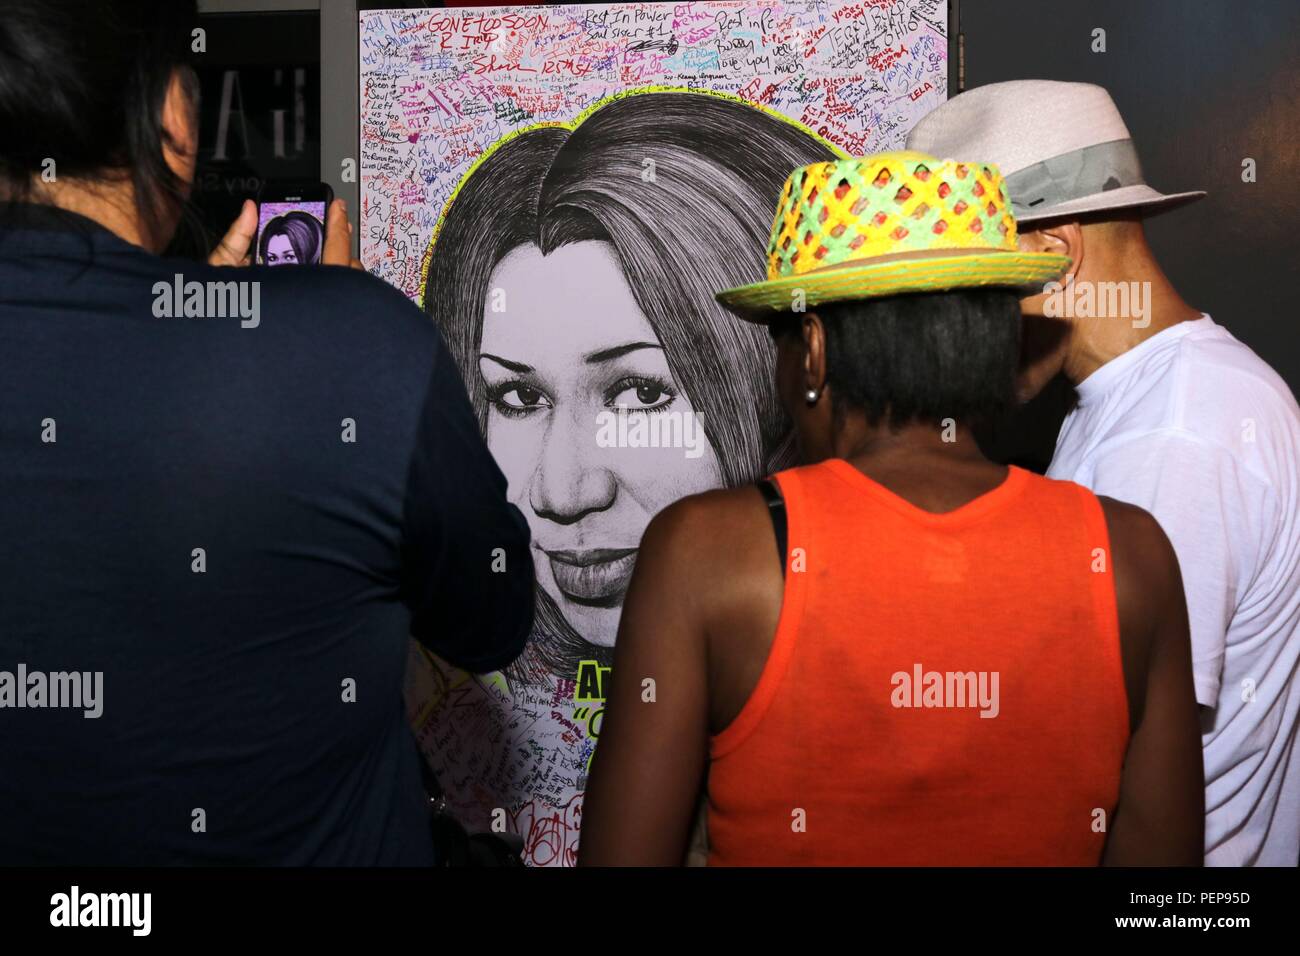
x=303 y=230
x=683 y=187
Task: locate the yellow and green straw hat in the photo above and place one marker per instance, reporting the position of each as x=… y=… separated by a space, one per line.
x=887 y=224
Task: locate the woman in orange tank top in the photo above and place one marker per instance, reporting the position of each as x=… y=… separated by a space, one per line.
x=899 y=653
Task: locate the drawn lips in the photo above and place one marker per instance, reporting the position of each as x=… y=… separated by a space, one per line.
x=598 y=577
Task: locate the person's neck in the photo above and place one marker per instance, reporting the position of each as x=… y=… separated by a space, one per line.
x=110 y=203
x=936 y=467
x=916 y=444
x=1096 y=340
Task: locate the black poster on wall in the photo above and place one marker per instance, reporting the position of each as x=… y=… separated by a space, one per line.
x=259 y=115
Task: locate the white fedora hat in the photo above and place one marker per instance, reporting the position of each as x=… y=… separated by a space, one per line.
x=1063 y=148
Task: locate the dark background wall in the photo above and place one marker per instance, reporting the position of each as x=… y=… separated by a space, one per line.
x=1202 y=85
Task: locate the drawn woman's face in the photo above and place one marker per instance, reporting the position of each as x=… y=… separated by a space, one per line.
x=563 y=342
x=279 y=252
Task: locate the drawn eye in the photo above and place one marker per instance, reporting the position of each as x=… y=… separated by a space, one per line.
x=516 y=398
x=642 y=394
x=522 y=397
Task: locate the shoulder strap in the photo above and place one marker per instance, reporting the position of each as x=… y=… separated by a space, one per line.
x=776 y=511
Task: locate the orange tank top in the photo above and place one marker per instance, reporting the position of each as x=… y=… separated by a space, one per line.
x=942 y=689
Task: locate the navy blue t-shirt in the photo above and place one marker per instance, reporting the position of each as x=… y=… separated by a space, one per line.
x=240 y=527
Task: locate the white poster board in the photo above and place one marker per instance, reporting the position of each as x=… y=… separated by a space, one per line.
x=563 y=181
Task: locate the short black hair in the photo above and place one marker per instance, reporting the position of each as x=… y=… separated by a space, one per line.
x=922 y=356
x=83 y=82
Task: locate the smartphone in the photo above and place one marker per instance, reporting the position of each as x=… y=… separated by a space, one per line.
x=291 y=223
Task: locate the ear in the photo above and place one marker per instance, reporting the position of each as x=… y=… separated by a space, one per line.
x=180 y=121
x=1059 y=238
x=814 y=352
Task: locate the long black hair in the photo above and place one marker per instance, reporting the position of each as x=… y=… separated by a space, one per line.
x=683 y=187
x=82 y=83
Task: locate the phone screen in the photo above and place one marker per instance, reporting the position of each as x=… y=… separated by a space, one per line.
x=290 y=233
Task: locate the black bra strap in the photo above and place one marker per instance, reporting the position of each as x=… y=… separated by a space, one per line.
x=776 y=511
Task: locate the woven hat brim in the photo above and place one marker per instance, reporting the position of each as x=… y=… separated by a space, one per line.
x=757 y=302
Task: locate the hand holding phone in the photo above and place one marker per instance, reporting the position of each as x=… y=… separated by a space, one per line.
x=291 y=223
x=236 y=247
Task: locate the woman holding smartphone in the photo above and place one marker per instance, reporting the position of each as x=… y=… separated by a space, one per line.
x=229 y=531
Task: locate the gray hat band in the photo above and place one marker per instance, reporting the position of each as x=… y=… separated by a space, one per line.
x=1074 y=175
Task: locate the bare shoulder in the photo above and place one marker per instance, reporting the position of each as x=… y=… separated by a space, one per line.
x=718 y=543
x=707 y=524
x=1137 y=537
x=1148 y=584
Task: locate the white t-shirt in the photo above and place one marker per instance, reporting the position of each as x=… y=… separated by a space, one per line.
x=1194 y=427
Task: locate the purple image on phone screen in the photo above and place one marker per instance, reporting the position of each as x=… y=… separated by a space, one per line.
x=290 y=233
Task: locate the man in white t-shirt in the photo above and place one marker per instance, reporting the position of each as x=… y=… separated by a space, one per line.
x=1174 y=415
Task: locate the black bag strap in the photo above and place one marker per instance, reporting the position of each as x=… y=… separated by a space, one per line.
x=776 y=511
